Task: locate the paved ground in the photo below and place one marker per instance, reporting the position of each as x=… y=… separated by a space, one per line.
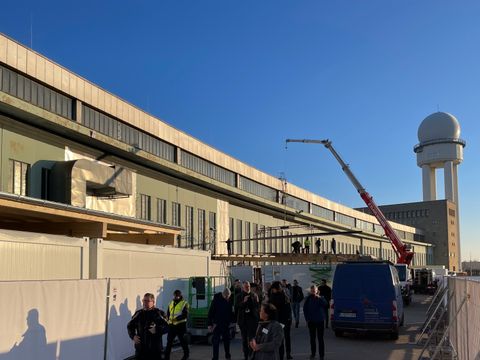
x=370 y=347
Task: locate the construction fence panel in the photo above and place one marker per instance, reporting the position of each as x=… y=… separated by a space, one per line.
x=47 y=320
x=464 y=317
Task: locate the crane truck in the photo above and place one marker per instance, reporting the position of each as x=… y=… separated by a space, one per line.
x=403 y=251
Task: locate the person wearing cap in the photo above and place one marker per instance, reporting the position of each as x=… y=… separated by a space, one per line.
x=177 y=314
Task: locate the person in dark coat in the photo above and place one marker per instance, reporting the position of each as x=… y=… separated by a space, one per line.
x=313 y=310
x=219 y=318
x=247 y=309
x=282 y=304
x=269 y=335
x=333 y=245
x=146 y=328
x=325 y=291
x=296 y=245
x=297 y=298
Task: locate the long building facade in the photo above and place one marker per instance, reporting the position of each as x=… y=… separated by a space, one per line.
x=77 y=160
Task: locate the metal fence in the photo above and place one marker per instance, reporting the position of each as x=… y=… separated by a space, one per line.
x=464 y=317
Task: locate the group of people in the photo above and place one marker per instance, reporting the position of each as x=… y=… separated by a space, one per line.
x=297 y=246
x=149 y=324
x=264 y=318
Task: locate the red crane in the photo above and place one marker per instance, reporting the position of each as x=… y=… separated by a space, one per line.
x=403 y=251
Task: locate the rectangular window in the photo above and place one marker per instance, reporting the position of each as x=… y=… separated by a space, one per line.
x=201 y=229
x=246 y=244
x=145 y=207
x=231 y=235
x=254 y=248
x=212 y=231
x=238 y=245
x=189 y=227
x=17 y=180
x=161 y=211
x=176 y=218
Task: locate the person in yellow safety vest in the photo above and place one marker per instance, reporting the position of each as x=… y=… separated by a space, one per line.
x=307 y=245
x=177 y=314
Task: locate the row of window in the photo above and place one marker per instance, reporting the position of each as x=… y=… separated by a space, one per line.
x=207 y=168
x=116 y=129
x=200 y=238
x=408 y=214
x=35 y=93
x=257 y=189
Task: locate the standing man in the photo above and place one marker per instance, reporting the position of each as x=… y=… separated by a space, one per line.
x=317 y=245
x=146 y=329
x=326 y=292
x=177 y=319
x=281 y=301
x=333 y=245
x=229 y=246
x=248 y=309
x=307 y=245
x=219 y=317
x=315 y=316
x=297 y=297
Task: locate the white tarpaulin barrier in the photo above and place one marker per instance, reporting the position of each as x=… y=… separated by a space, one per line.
x=50 y=320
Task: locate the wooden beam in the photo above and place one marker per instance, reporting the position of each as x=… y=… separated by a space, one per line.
x=74 y=229
x=293 y=258
x=55 y=215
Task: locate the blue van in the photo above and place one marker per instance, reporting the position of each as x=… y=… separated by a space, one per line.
x=366 y=296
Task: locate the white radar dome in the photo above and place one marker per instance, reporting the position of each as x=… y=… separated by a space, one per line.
x=439 y=125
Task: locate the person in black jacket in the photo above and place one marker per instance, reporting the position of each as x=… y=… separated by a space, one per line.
x=297 y=297
x=326 y=292
x=248 y=313
x=314 y=316
x=146 y=328
x=219 y=317
x=282 y=303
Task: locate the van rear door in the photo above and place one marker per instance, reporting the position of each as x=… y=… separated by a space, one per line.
x=363 y=294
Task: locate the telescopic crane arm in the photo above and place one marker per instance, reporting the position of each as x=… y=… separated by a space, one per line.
x=403 y=252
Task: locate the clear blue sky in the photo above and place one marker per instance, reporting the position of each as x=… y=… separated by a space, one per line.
x=245 y=75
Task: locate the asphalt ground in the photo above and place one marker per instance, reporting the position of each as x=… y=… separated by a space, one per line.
x=350 y=346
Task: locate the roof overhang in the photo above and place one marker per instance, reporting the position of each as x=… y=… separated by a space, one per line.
x=33 y=215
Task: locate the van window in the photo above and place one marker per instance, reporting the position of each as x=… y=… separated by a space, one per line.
x=357 y=281
x=402 y=272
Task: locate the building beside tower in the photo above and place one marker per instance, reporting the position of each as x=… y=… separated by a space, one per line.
x=77 y=161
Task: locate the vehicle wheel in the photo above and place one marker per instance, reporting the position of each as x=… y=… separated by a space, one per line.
x=338 y=333
x=209 y=339
x=394 y=335
x=188 y=338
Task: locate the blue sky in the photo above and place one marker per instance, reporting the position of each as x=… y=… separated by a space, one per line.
x=245 y=75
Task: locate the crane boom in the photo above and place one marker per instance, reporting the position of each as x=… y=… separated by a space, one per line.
x=403 y=252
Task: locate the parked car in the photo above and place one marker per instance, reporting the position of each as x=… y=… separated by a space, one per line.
x=366 y=296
